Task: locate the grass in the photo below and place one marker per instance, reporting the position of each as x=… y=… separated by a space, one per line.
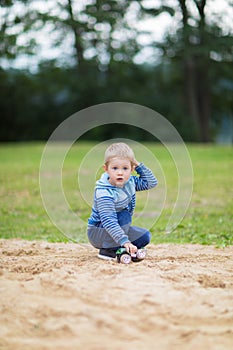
x=208 y=219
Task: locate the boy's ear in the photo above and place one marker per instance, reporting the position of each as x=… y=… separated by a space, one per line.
x=105 y=167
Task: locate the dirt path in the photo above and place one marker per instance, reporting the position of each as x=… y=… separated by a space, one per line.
x=61 y=296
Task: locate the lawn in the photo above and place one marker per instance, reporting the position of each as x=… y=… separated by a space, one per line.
x=208 y=220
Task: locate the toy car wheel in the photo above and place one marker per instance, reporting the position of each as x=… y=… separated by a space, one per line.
x=141 y=254
x=125 y=258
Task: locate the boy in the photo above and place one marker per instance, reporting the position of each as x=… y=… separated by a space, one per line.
x=109 y=226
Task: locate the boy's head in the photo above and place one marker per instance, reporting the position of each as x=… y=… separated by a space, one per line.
x=119 y=150
x=119 y=163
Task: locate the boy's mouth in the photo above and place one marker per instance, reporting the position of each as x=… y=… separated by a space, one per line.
x=120 y=179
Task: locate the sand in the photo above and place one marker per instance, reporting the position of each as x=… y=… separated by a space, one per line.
x=61 y=296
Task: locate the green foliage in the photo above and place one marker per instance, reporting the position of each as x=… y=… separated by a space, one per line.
x=16 y=20
x=33 y=105
x=157 y=11
x=191 y=85
x=192 y=51
x=207 y=221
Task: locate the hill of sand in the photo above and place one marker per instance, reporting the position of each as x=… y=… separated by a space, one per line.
x=61 y=296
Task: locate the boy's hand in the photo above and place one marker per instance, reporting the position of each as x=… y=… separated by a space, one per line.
x=130 y=248
x=136 y=163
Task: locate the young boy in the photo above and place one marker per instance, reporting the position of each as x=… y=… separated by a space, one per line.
x=109 y=226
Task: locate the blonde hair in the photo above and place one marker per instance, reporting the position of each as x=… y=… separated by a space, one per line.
x=119 y=150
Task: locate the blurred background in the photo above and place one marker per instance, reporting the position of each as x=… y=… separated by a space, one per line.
x=173 y=56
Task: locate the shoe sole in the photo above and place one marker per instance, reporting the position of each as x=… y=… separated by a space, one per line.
x=104 y=257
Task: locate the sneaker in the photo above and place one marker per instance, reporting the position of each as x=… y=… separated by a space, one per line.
x=107 y=254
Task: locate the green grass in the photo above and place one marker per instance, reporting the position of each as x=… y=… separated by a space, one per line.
x=208 y=219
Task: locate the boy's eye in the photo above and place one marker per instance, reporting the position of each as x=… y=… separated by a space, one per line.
x=114 y=168
x=125 y=168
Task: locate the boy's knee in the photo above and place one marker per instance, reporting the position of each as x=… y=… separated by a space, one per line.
x=147 y=237
x=143 y=240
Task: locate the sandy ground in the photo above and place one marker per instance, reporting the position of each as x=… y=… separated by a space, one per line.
x=61 y=296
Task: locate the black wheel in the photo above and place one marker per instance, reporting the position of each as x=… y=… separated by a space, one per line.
x=141 y=254
x=125 y=258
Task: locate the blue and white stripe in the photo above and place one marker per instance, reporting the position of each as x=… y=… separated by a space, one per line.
x=110 y=200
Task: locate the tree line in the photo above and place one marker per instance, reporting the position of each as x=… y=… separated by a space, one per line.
x=190 y=82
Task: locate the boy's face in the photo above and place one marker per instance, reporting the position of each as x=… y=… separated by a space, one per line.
x=119 y=171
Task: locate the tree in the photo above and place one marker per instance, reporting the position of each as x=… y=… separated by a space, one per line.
x=93 y=25
x=196 y=61
x=16 y=20
x=191 y=50
x=193 y=79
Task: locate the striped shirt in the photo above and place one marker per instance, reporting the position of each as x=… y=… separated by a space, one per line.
x=109 y=200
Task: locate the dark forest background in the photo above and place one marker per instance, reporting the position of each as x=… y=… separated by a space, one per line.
x=189 y=78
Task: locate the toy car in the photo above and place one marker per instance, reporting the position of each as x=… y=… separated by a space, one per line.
x=125 y=258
